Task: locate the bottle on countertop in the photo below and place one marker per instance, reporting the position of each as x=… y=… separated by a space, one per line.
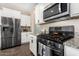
x=44 y=31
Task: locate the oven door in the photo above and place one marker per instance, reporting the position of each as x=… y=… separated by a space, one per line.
x=43 y=50
x=46 y=51
x=40 y=47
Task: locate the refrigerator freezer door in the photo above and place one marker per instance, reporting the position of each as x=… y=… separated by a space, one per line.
x=6 y=32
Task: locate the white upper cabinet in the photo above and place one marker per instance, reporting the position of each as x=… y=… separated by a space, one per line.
x=74 y=9
x=39 y=13
x=25 y=20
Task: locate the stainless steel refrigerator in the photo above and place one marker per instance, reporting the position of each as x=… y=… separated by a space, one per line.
x=10 y=32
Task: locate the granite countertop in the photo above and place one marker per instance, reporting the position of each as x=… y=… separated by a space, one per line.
x=33 y=34
x=74 y=43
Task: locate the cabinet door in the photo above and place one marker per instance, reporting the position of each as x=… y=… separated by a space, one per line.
x=39 y=14
x=69 y=51
x=34 y=46
x=25 y=20
x=27 y=39
x=74 y=9
x=28 y=21
x=31 y=44
x=24 y=37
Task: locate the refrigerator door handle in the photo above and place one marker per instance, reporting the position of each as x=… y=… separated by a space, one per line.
x=13 y=32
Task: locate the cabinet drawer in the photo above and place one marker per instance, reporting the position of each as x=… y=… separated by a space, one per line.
x=33 y=45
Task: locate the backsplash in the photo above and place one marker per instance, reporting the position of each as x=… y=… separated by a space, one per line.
x=74 y=22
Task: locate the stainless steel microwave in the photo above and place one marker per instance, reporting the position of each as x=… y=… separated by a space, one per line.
x=56 y=10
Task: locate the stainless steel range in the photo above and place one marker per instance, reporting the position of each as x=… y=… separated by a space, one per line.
x=52 y=44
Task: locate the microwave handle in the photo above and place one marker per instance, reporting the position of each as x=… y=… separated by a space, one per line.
x=60 y=7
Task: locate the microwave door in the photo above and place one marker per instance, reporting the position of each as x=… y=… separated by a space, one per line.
x=53 y=10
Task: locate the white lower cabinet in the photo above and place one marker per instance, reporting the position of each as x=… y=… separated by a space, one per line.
x=24 y=37
x=33 y=44
x=69 y=51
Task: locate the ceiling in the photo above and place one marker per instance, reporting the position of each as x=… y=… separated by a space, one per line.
x=25 y=8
